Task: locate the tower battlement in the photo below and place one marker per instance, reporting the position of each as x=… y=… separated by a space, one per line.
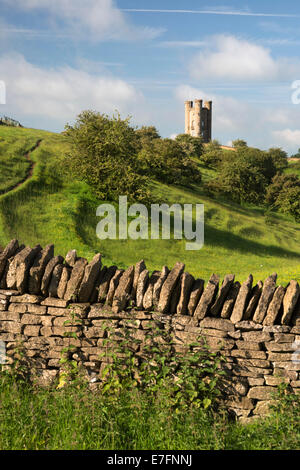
x=198 y=119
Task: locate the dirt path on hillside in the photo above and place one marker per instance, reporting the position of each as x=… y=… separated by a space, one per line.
x=29 y=171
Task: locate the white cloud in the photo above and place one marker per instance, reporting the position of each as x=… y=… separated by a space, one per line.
x=288 y=137
x=216 y=11
x=97 y=19
x=231 y=58
x=61 y=93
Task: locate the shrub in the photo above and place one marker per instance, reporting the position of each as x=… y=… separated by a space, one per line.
x=103 y=153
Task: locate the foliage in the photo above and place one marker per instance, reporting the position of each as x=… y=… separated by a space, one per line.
x=279 y=158
x=244 y=175
x=238 y=143
x=296 y=155
x=191 y=146
x=284 y=194
x=185 y=379
x=164 y=160
x=103 y=153
x=145 y=135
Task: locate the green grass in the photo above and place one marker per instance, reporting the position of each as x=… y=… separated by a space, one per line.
x=50 y=209
x=77 y=418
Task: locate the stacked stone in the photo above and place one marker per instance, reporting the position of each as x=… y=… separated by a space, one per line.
x=257 y=326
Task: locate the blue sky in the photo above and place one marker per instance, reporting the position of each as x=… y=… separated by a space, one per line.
x=144 y=59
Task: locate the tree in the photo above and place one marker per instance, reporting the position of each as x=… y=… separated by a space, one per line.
x=191 y=146
x=103 y=153
x=212 y=153
x=279 y=158
x=244 y=175
x=165 y=160
x=238 y=143
x=145 y=135
x=297 y=155
x=284 y=194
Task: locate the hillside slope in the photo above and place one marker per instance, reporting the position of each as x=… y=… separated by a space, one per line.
x=49 y=208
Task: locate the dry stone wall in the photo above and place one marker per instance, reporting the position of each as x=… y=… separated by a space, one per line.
x=257 y=326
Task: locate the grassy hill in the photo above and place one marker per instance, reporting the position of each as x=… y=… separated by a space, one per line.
x=48 y=208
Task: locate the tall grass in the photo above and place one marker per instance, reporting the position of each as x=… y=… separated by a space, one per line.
x=78 y=418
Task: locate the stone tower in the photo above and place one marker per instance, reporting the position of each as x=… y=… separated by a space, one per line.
x=198 y=118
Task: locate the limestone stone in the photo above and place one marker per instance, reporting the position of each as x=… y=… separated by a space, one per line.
x=38 y=268
x=113 y=285
x=52 y=302
x=277 y=329
x=249 y=345
x=268 y=290
x=274 y=381
x=208 y=331
x=256 y=336
x=11 y=327
x=172 y=309
x=9 y=251
x=139 y=267
x=275 y=306
x=31 y=319
x=148 y=297
x=284 y=338
x=169 y=286
x=27 y=298
x=248 y=325
x=290 y=301
x=71 y=258
x=230 y=300
x=280 y=347
x=107 y=276
x=195 y=294
x=261 y=392
x=31 y=330
x=280 y=356
x=75 y=279
x=263 y=407
x=17 y=275
x=296 y=315
x=217 y=323
x=141 y=288
x=241 y=301
x=55 y=278
x=254 y=298
x=240 y=402
x=186 y=284
x=158 y=286
x=260 y=363
x=62 y=285
x=89 y=278
x=48 y=273
x=255 y=381
x=248 y=354
x=222 y=294
x=123 y=290
x=9 y=261
x=207 y=297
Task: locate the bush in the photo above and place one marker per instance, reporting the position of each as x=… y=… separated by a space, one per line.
x=103 y=153
x=164 y=160
x=191 y=146
x=284 y=194
x=244 y=175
